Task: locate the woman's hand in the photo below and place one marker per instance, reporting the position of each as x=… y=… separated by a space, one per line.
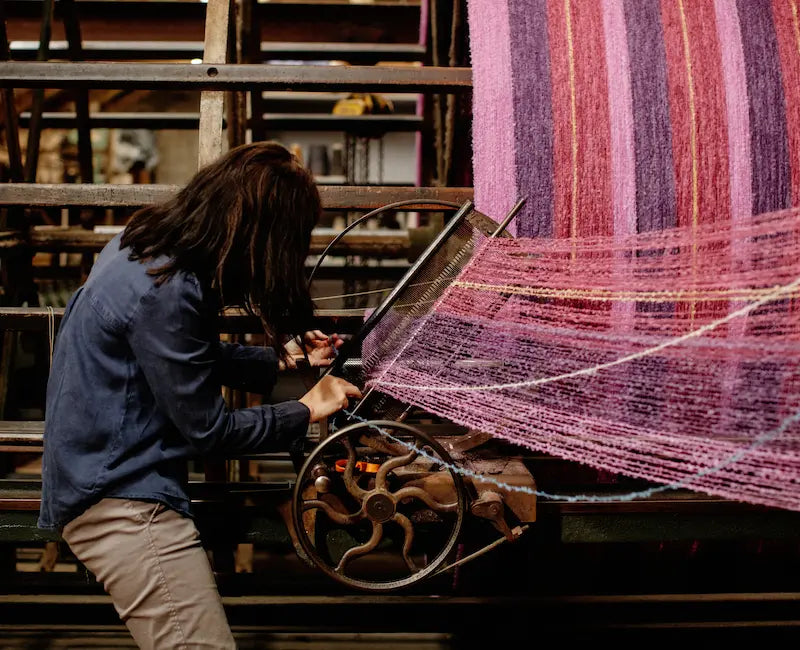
x=320 y=348
x=329 y=394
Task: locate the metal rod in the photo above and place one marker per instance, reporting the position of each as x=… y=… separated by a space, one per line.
x=513 y=213
x=376 y=316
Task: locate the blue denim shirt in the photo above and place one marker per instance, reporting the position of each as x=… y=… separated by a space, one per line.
x=135 y=390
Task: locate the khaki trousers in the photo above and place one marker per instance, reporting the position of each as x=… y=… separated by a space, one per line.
x=150 y=561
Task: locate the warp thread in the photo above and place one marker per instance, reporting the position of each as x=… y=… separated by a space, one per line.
x=575 y=498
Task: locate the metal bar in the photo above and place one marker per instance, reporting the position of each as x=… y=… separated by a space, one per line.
x=212 y=102
x=108 y=195
x=72 y=29
x=354 y=53
x=35 y=130
x=391 y=299
x=154 y=76
x=512 y=213
x=9 y=110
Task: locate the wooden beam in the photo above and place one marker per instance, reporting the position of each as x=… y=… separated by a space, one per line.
x=35 y=319
x=359 y=124
x=353 y=53
x=153 y=76
x=72 y=28
x=10 y=111
x=35 y=129
x=212 y=102
x=384 y=244
x=104 y=195
x=373 y=22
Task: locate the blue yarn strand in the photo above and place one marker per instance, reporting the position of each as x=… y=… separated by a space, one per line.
x=592 y=498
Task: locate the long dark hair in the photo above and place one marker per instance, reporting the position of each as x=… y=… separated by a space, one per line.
x=243 y=226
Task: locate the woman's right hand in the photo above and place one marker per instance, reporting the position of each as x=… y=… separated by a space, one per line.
x=329 y=394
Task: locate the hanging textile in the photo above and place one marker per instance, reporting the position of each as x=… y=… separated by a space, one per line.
x=647 y=319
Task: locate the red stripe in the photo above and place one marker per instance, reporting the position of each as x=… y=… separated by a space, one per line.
x=562 y=128
x=790 y=71
x=711 y=113
x=595 y=206
x=711 y=137
x=678 y=110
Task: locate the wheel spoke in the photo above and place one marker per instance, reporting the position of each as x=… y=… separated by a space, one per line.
x=427 y=499
x=350 y=482
x=391 y=464
x=338 y=517
x=408 y=528
x=357 y=551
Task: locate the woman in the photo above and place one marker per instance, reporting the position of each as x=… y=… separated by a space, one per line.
x=135 y=383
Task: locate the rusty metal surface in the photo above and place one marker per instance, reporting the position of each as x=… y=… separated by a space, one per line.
x=155 y=76
x=107 y=195
x=385 y=488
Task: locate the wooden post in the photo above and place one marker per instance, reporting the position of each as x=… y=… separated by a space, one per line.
x=10 y=113
x=35 y=128
x=252 y=20
x=72 y=29
x=212 y=105
x=212 y=102
x=239 y=32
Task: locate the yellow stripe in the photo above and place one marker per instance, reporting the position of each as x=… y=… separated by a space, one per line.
x=574 y=119
x=692 y=140
x=610 y=295
x=796 y=22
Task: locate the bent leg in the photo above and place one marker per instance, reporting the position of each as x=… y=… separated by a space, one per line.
x=150 y=561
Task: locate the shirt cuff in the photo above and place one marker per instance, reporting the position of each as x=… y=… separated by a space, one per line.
x=291 y=419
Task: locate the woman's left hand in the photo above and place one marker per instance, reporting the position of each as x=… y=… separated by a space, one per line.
x=320 y=348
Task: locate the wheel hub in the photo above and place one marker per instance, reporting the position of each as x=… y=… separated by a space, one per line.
x=379 y=506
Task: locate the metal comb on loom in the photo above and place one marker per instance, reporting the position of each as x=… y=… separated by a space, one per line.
x=390 y=325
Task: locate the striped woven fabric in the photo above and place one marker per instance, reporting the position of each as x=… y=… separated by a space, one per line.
x=622 y=116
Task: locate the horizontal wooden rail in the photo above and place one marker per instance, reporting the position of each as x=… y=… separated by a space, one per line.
x=333 y=197
x=374 y=243
x=358 y=124
x=33 y=319
x=157 y=76
x=360 y=53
